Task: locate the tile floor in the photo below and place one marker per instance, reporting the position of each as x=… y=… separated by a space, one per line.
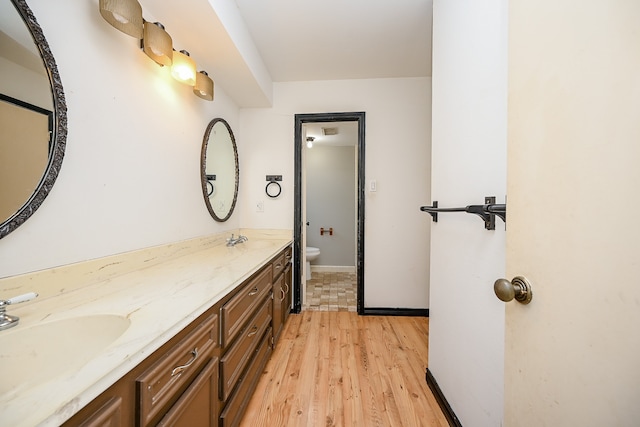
x=329 y=291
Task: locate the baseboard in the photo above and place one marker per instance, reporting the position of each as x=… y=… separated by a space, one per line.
x=383 y=311
x=333 y=268
x=442 y=400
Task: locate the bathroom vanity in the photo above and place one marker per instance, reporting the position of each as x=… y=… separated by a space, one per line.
x=187 y=328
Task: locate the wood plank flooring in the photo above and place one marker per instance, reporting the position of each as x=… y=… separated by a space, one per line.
x=341 y=369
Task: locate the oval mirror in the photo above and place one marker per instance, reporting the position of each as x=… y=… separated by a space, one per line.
x=219 y=169
x=33 y=116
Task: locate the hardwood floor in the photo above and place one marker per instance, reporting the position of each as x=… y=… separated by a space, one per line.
x=341 y=369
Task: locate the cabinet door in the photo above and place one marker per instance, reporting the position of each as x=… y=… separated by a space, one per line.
x=198 y=405
x=288 y=289
x=108 y=415
x=113 y=408
x=278 y=301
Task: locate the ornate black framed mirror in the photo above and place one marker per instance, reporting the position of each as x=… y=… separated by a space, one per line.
x=32 y=98
x=219 y=169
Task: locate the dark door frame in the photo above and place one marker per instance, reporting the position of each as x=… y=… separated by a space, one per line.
x=300 y=119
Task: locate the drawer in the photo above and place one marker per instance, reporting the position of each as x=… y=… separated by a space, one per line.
x=288 y=255
x=233 y=411
x=159 y=386
x=236 y=358
x=243 y=304
x=278 y=265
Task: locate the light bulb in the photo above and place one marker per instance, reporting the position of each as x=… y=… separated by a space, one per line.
x=183 y=68
x=121 y=19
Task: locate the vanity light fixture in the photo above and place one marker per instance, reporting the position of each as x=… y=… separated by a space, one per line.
x=204 y=86
x=183 y=68
x=157 y=43
x=310 y=140
x=125 y=15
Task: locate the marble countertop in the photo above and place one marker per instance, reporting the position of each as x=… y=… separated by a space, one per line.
x=158 y=298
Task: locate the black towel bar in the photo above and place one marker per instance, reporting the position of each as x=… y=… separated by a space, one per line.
x=488 y=211
x=498 y=209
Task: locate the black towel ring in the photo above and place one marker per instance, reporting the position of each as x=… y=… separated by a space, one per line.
x=273 y=196
x=210 y=187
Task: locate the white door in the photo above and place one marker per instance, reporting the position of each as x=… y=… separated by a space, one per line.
x=572 y=356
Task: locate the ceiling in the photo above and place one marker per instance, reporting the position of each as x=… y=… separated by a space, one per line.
x=332 y=133
x=302 y=40
x=246 y=45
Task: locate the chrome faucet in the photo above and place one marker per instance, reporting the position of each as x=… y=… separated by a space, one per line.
x=7 y=321
x=232 y=242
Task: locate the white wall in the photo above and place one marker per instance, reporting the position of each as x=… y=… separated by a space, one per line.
x=331 y=203
x=130 y=177
x=398 y=129
x=466 y=330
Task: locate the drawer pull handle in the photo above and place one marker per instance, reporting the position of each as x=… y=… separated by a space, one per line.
x=283 y=294
x=254 y=331
x=177 y=370
x=253 y=291
x=278 y=266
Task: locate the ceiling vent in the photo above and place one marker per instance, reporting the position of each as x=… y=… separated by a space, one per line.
x=329 y=131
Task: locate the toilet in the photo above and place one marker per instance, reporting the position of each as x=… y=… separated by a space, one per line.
x=311 y=253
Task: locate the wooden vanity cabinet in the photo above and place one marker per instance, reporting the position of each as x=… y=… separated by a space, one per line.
x=245 y=354
x=149 y=395
x=206 y=374
x=246 y=318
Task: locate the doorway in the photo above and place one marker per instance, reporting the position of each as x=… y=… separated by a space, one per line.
x=299 y=210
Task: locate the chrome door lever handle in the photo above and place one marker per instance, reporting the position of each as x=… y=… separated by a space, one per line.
x=518 y=288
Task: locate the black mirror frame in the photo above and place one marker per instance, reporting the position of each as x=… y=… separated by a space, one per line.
x=203 y=169
x=59 y=134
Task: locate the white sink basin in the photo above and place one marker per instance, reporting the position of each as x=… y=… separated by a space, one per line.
x=37 y=354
